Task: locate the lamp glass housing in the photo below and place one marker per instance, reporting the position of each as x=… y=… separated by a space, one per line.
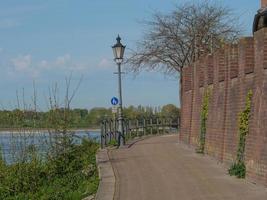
x=118 y=50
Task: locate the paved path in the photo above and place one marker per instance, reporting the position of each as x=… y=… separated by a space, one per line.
x=159 y=168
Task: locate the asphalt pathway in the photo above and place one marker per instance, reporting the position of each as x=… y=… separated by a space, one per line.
x=159 y=168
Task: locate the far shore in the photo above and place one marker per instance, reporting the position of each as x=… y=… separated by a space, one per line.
x=32 y=130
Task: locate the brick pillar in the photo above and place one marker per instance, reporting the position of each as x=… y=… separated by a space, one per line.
x=256 y=148
x=263 y=3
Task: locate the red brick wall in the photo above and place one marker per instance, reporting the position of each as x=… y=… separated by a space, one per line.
x=187 y=107
x=263 y=3
x=229 y=74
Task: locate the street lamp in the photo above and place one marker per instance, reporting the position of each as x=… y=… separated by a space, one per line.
x=118 y=50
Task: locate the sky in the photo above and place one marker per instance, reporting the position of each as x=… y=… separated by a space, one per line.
x=43 y=42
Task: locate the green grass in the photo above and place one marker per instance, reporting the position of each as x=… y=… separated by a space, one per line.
x=71 y=174
x=113 y=142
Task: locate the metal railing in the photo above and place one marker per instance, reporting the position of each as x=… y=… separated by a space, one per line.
x=136 y=128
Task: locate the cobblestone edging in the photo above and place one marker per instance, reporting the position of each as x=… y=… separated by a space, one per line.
x=106 y=187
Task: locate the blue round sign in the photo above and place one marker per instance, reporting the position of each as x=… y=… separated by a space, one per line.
x=114 y=101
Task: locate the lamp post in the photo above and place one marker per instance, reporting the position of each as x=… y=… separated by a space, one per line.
x=118 y=50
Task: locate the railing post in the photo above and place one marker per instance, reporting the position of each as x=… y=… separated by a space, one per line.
x=126 y=128
x=130 y=128
x=163 y=125
x=151 y=125
x=137 y=127
x=157 y=125
x=110 y=130
x=116 y=130
x=170 y=125
x=114 y=126
x=105 y=132
x=144 y=126
x=102 y=136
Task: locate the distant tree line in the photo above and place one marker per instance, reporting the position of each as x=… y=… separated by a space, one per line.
x=79 y=118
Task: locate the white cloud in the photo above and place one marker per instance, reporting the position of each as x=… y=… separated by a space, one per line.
x=105 y=63
x=66 y=62
x=22 y=63
x=43 y=65
x=63 y=60
x=26 y=65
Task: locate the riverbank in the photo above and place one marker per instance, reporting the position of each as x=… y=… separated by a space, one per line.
x=43 y=130
x=70 y=173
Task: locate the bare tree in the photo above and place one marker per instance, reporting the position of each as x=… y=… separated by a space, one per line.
x=59 y=119
x=173 y=41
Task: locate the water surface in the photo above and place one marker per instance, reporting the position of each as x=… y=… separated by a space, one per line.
x=12 y=143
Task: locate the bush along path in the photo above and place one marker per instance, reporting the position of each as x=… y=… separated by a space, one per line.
x=238 y=168
x=204 y=118
x=68 y=174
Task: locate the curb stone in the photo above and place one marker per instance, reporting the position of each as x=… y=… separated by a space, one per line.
x=106 y=187
x=89 y=198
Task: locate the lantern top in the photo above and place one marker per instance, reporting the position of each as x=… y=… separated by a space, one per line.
x=118 y=50
x=118 y=44
x=118 y=39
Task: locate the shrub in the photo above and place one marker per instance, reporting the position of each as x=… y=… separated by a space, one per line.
x=70 y=175
x=204 y=118
x=238 y=168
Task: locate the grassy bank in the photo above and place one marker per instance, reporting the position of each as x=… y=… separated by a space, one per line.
x=44 y=130
x=69 y=173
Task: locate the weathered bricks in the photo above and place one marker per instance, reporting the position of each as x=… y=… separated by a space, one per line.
x=210 y=68
x=221 y=64
x=263 y=3
x=229 y=74
x=188 y=73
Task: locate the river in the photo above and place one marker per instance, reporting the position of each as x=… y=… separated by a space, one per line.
x=12 y=143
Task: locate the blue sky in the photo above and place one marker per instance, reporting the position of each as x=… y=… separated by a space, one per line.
x=45 y=41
